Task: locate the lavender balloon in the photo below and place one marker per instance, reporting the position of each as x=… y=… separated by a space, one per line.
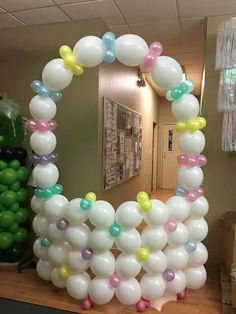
x=62 y=224
x=169 y=274
x=44 y=159
x=87 y=253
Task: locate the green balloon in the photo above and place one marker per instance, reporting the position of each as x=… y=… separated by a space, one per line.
x=14 y=253
x=8 y=176
x=3 y=188
x=21 y=235
x=8 y=198
x=15 y=186
x=21 y=195
x=6 y=240
x=14 y=228
x=2 y=208
x=3 y=165
x=14 y=207
x=7 y=218
x=23 y=174
x=14 y=164
x=21 y=215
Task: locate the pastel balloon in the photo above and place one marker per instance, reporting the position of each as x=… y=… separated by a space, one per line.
x=127 y=265
x=114 y=280
x=199 y=256
x=37 y=204
x=199 y=208
x=77 y=286
x=178 y=284
x=40 y=251
x=56 y=75
x=192 y=142
x=40 y=225
x=190 y=178
x=76 y=262
x=57 y=253
x=55 y=207
x=179 y=236
x=152 y=287
x=103 y=264
x=156 y=263
x=197 y=228
x=43 y=143
x=195 y=277
x=154 y=238
x=42 y=108
x=57 y=280
x=44 y=269
x=77 y=236
x=45 y=176
x=129 y=241
x=54 y=233
x=178 y=208
x=74 y=213
x=176 y=256
x=129 y=215
x=158 y=215
x=167 y=72
x=185 y=108
x=100 y=291
x=129 y=291
x=100 y=240
x=89 y=51
x=130 y=49
x=101 y=214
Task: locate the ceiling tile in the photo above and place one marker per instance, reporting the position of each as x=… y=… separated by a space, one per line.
x=193 y=28
x=8 y=20
x=193 y=8
x=104 y=9
x=72 y=1
x=41 y=16
x=2 y=10
x=120 y=30
x=16 y=5
x=157 y=31
x=140 y=11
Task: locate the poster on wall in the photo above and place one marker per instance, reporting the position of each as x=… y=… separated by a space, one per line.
x=122 y=143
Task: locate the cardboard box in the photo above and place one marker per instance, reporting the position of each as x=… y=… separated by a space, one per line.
x=228 y=239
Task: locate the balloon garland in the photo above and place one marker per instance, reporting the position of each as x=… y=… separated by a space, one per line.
x=169 y=248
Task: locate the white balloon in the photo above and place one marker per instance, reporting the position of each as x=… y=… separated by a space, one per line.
x=100 y=291
x=154 y=238
x=199 y=256
x=56 y=75
x=186 y=107
x=179 y=236
x=55 y=207
x=156 y=263
x=39 y=250
x=178 y=208
x=199 y=208
x=42 y=108
x=167 y=72
x=129 y=291
x=54 y=233
x=152 y=287
x=43 y=143
x=127 y=265
x=195 y=277
x=57 y=280
x=197 y=228
x=100 y=240
x=89 y=51
x=101 y=214
x=76 y=262
x=77 y=286
x=192 y=142
x=177 y=257
x=57 y=253
x=77 y=236
x=45 y=176
x=44 y=269
x=74 y=213
x=178 y=284
x=103 y=264
x=37 y=204
x=190 y=178
x=40 y=225
x=158 y=215
x=128 y=241
x=130 y=49
x=128 y=215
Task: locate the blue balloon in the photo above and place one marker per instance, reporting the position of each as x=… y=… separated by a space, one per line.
x=108 y=39
x=44 y=91
x=179 y=191
x=36 y=86
x=190 y=246
x=56 y=96
x=109 y=57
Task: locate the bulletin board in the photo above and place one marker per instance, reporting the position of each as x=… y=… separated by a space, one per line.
x=122 y=143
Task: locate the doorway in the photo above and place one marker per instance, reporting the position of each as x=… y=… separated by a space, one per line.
x=154 y=155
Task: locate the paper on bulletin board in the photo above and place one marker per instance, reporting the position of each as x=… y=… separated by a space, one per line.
x=131 y=164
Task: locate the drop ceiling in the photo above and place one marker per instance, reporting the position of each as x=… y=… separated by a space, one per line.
x=180 y=25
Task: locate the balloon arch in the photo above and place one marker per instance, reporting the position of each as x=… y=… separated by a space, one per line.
x=169 y=249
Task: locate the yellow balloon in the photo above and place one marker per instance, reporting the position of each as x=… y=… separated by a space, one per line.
x=180 y=126
x=202 y=122
x=64 y=50
x=192 y=125
x=70 y=60
x=91 y=196
x=146 y=205
x=78 y=70
x=64 y=271
x=142 y=254
x=142 y=196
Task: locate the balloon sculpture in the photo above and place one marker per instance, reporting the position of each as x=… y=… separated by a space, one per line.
x=169 y=249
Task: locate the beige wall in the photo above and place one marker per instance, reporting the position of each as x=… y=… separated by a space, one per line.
x=219 y=183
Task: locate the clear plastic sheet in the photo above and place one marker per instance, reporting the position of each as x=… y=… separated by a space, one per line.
x=229 y=131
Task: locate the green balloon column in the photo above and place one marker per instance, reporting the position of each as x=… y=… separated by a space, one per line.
x=13 y=177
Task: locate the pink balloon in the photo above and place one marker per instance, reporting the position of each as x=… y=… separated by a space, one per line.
x=156 y=48
x=141 y=306
x=191 y=197
x=114 y=280
x=171 y=225
x=148 y=62
x=202 y=160
x=199 y=192
x=182 y=295
x=87 y=304
x=52 y=125
x=191 y=161
x=182 y=158
x=42 y=126
x=30 y=125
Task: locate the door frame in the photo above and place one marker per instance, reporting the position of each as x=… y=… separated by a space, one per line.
x=155 y=141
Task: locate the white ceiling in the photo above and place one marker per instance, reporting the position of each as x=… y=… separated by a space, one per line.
x=179 y=24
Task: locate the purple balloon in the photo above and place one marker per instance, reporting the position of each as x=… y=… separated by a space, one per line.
x=169 y=274
x=87 y=253
x=62 y=224
x=44 y=159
